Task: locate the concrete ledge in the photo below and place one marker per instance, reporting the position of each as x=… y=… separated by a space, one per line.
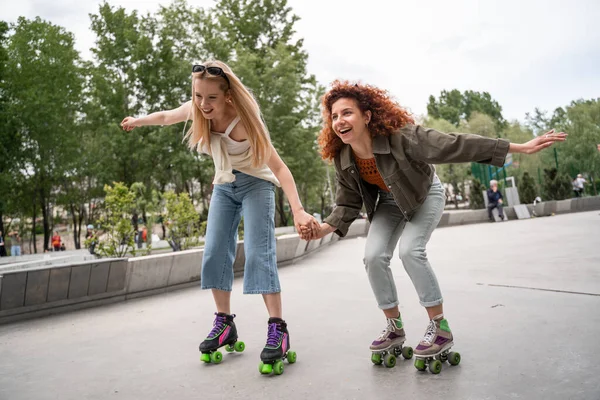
x=563 y=206
x=49 y=290
x=58 y=287
x=13 y=290
x=36 y=290
x=117 y=275
x=287 y=245
x=544 y=209
x=149 y=272
x=187 y=266
x=313 y=245
x=301 y=247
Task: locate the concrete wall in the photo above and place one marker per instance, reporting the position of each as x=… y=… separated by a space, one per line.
x=46 y=290
x=53 y=289
x=452 y=218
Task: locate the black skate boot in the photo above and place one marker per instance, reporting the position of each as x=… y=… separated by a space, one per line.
x=276 y=349
x=223 y=333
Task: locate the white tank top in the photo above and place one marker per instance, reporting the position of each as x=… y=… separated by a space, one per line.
x=233 y=147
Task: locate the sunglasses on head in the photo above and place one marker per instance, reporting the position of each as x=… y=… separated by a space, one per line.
x=216 y=71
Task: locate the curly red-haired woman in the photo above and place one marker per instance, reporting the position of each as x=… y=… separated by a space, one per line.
x=384 y=162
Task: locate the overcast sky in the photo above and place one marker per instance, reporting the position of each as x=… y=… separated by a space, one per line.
x=526 y=53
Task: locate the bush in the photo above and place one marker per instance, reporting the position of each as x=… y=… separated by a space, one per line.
x=182 y=221
x=556 y=186
x=476 y=201
x=527 y=190
x=118 y=238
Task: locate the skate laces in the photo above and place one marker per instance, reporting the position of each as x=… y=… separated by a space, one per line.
x=273 y=335
x=391 y=327
x=430 y=334
x=218 y=325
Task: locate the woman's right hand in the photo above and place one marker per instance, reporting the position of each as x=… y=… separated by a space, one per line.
x=313 y=234
x=128 y=123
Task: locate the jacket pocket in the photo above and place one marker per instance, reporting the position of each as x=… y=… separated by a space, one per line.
x=402 y=190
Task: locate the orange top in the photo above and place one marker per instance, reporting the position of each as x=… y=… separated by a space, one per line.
x=367 y=168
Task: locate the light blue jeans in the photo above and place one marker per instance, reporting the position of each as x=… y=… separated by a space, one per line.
x=15 y=250
x=387 y=228
x=254 y=199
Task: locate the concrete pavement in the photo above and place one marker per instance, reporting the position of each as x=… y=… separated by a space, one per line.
x=522 y=298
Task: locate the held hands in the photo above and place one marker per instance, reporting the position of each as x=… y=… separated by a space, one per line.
x=541 y=142
x=305 y=222
x=128 y=124
x=307 y=233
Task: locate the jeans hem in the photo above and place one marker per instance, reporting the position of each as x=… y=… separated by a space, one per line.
x=389 y=305
x=431 y=303
x=264 y=291
x=215 y=287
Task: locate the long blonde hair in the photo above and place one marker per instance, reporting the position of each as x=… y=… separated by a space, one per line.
x=245 y=106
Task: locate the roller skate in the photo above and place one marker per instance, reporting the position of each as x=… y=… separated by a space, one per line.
x=223 y=333
x=277 y=348
x=388 y=346
x=435 y=347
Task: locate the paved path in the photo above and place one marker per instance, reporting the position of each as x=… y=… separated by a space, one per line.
x=522 y=297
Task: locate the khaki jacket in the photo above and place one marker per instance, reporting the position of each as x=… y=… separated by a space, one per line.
x=404 y=160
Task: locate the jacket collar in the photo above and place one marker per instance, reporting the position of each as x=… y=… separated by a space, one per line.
x=381 y=145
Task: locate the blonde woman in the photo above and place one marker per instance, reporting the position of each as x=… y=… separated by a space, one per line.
x=227 y=124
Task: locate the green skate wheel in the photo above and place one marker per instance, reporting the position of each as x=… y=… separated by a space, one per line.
x=454 y=358
x=407 y=352
x=376 y=358
x=205 y=357
x=216 y=357
x=420 y=364
x=435 y=367
x=389 y=360
x=229 y=348
x=239 y=346
x=291 y=357
x=265 y=368
x=278 y=367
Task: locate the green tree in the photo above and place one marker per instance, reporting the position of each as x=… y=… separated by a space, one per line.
x=454 y=106
x=43 y=84
x=142 y=65
x=579 y=154
x=8 y=138
x=257 y=38
x=480 y=124
x=454 y=174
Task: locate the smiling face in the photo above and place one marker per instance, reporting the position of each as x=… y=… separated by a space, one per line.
x=348 y=122
x=211 y=98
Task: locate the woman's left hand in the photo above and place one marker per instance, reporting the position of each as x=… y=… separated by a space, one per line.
x=304 y=219
x=539 y=143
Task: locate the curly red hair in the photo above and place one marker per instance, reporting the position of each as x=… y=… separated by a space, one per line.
x=387 y=115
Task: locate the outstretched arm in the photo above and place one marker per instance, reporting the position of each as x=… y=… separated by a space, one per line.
x=436 y=147
x=169 y=117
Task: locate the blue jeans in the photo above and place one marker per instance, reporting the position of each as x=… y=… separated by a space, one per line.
x=387 y=228
x=15 y=250
x=254 y=199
